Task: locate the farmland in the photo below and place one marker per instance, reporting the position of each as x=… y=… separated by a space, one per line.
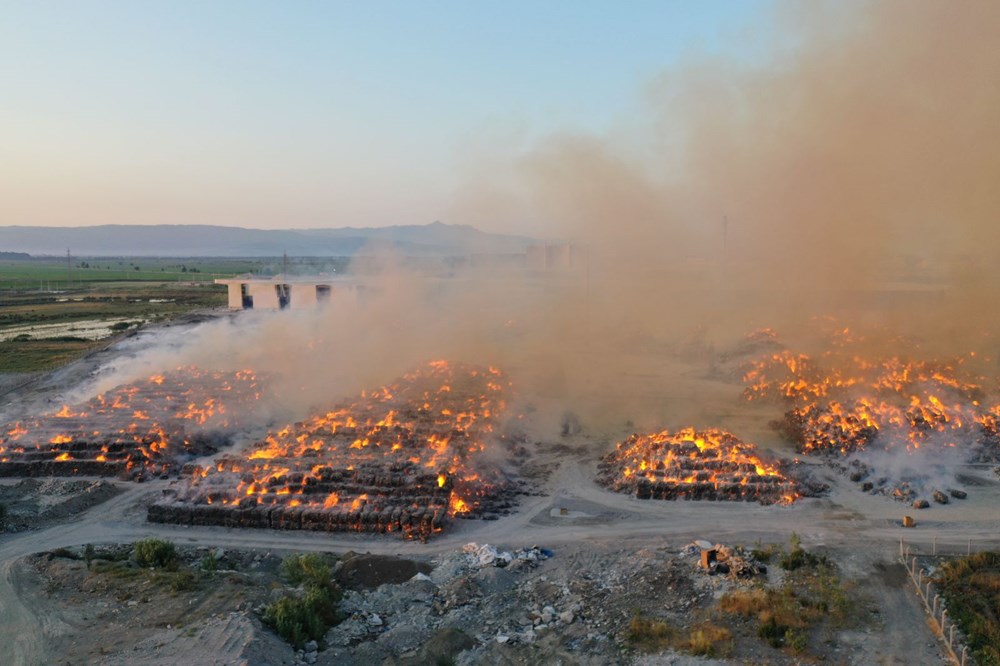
x=52 y=311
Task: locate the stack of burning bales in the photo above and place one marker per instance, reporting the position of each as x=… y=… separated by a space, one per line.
x=405 y=458
x=865 y=412
x=697 y=465
x=133 y=431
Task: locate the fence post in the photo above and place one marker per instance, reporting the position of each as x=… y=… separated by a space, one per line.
x=968 y=549
x=901 y=545
x=934 y=551
x=927 y=594
x=965 y=649
x=951 y=636
x=934 y=606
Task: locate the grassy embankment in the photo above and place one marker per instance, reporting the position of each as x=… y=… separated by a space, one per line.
x=971 y=587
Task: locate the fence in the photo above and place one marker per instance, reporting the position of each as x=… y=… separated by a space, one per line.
x=958 y=652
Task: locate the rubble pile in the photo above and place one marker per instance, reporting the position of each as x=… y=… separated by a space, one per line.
x=697 y=465
x=519 y=606
x=405 y=458
x=148 y=428
x=719 y=559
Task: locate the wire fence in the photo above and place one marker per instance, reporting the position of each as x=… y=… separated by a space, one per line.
x=944 y=626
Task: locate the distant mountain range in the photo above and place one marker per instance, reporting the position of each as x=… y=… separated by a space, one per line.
x=179 y=240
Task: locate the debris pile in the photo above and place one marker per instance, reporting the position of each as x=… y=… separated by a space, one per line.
x=719 y=559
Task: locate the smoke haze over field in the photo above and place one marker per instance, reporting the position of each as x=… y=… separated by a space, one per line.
x=865 y=152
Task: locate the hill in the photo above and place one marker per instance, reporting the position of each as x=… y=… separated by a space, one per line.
x=216 y=241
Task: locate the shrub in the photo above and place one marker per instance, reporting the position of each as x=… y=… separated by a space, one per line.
x=305 y=618
x=797 y=557
x=299 y=620
x=307 y=568
x=177 y=581
x=209 y=563
x=155 y=553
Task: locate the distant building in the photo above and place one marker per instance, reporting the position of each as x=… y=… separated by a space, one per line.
x=280 y=292
x=554 y=257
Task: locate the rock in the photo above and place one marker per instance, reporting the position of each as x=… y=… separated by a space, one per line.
x=405 y=637
x=492 y=580
x=921 y=504
x=219 y=553
x=311 y=657
x=374 y=620
x=311 y=646
x=566 y=617
x=502 y=639
x=443 y=646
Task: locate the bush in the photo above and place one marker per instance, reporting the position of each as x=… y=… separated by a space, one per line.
x=155 y=553
x=209 y=563
x=797 y=557
x=301 y=620
x=177 y=581
x=307 y=568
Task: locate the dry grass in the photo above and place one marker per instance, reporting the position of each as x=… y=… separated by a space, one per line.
x=785 y=617
x=971 y=587
x=704 y=638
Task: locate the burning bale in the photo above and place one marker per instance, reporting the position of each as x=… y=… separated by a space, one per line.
x=405 y=458
x=850 y=407
x=149 y=427
x=707 y=465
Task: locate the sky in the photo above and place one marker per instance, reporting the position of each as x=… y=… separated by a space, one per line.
x=320 y=114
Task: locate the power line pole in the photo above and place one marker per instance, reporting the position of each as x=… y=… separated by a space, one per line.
x=67 y=268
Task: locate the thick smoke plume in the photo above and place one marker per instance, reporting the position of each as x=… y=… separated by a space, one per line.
x=850 y=171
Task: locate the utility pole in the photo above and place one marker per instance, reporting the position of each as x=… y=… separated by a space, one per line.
x=67 y=268
x=284 y=265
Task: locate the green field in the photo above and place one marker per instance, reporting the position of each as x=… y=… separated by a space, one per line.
x=52 y=273
x=45 y=304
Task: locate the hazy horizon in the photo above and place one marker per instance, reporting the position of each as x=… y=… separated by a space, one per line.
x=335 y=114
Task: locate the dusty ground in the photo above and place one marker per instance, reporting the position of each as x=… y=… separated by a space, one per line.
x=612 y=555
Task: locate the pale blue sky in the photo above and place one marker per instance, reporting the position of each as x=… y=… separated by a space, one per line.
x=292 y=114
